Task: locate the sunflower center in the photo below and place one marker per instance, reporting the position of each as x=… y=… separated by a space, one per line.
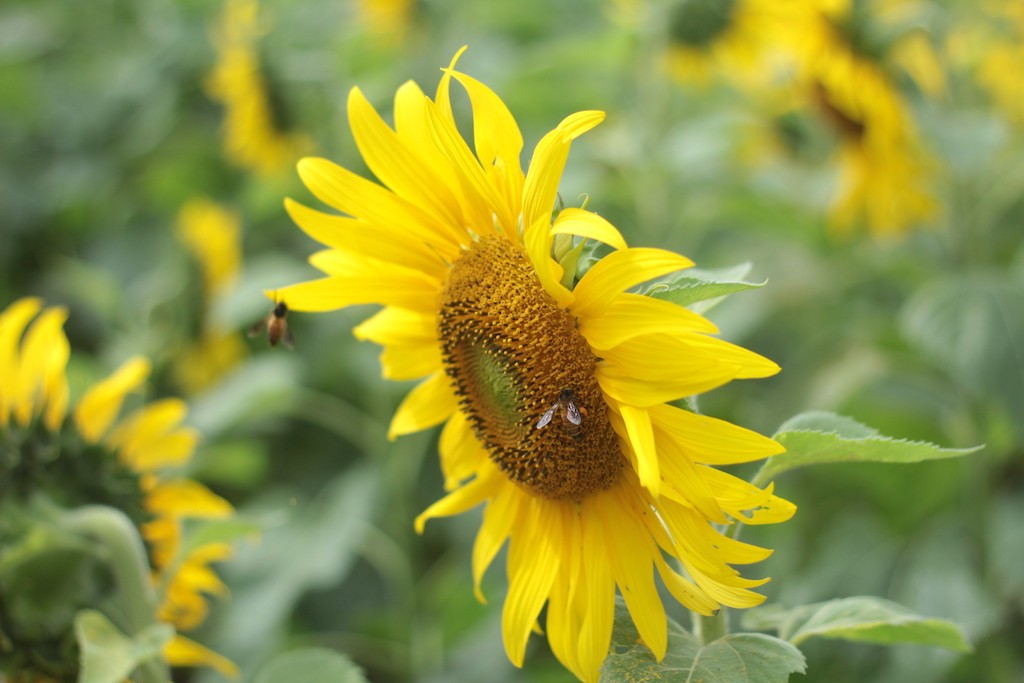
x=525 y=375
x=698 y=23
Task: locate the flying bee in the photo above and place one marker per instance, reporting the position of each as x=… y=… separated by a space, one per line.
x=572 y=415
x=276 y=327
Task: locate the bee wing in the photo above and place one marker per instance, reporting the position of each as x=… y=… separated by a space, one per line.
x=288 y=339
x=546 y=417
x=257 y=328
x=572 y=413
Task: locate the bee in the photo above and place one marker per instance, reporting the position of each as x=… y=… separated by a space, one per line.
x=572 y=415
x=276 y=327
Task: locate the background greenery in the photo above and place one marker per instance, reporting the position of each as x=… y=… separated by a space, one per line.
x=106 y=132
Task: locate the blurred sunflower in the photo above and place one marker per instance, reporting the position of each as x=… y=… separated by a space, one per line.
x=254 y=135
x=387 y=20
x=718 y=38
x=553 y=392
x=885 y=175
x=992 y=44
x=213 y=236
x=94 y=458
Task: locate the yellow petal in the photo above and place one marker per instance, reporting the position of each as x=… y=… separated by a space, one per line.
x=186 y=499
x=461 y=453
x=389 y=286
x=685 y=591
x=443 y=96
x=413 y=361
x=617 y=272
x=641 y=440
x=684 y=481
x=498 y=521
x=44 y=355
x=547 y=164
x=632 y=315
x=398 y=326
x=375 y=241
x=148 y=423
x=685 y=363
x=712 y=441
x=181 y=651
x=54 y=389
x=12 y=324
x=597 y=600
x=430 y=403
x=631 y=551
x=563 y=624
x=361 y=198
x=485 y=486
x=481 y=202
x=573 y=221
x=396 y=166
x=99 y=406
x=731 y=596
x=751 y=365
x=170 y=450
x=734 y=494
x=497 y=140
x=538 y=247
x=414 y=128
x=533 y=562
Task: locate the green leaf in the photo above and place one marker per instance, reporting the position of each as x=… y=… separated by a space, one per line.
x=108 y=655
x=735 y=658
x=860 y=619
x=700 y=290
x=313 y=549
x=816 y=438
x=972 y=326
x=310 y=665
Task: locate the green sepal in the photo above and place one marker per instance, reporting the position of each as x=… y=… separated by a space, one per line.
x=108 y=655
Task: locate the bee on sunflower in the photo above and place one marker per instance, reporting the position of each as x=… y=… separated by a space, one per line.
x=616 y=485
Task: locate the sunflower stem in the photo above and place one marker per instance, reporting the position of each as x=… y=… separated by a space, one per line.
x=708 y=629
x=134 y=604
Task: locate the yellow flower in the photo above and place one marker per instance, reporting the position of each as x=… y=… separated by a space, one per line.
x=386 y=19
x=718 y=38
x=457 y=246
x=1000 y=59
x=213 y=235
x=146 y=444
x=885 y=175
x=252 y=137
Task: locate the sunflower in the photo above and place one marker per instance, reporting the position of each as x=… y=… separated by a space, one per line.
x=94 y=457
x=717 y=38
x=387 y=20
x=553 y=393
x=253 y=135
x=885 y=174
x=213 y=235
x=1001 y=58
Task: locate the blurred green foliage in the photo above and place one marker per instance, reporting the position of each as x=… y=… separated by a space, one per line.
x=105 y=132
